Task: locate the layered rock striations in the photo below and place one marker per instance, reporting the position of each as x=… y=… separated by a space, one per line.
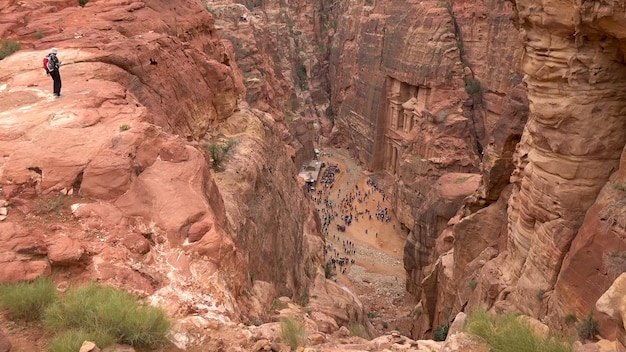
x=149 y=90
x=563 y=215
x=424 y=92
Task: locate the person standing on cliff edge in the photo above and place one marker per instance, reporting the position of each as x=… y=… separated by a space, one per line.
x=51 y=64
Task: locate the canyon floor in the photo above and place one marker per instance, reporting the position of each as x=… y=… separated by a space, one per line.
x=377 y=276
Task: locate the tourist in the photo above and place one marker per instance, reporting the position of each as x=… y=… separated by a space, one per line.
x=52 y=69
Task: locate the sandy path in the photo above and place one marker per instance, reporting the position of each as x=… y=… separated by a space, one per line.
x=377 y=276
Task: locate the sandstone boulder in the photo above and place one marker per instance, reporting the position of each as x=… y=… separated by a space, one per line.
x=23 y=270
x=136 y=243
x=197 y=230
x=63 y=250
x=613 y=304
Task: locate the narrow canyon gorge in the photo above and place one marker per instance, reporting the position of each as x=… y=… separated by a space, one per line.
x=467 y=153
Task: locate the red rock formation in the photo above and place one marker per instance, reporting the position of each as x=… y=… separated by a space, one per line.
x=142 y=82
x=422 y=90
x=565 y=158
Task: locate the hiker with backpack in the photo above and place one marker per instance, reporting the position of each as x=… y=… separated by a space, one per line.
x=51 y=65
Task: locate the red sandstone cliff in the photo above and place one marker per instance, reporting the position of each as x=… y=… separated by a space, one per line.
x=146 y=85
x=427 y=94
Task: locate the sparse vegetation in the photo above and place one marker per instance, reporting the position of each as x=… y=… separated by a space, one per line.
x=372 y=315
x=588 y=327
x=71 y=340
x=124 y=127
x=369 y=2
x=472 y=86
x=289 y=115
x=107 y=312
x=27 y=300
x=8 y=47
x=304 y=300
x=385 y=325
x=472 y=284
x=328 y=270
x=292 y=332
x=101 y=314
x=441 y=332
x=50 y=205
x=358 y=330
x=507 y=333
x=82 y=3
x=619 y=186
x=278 y=304
x=302 y=77
x=218 y=151
x=540 y=293
x=39 y=35
x=570 y=319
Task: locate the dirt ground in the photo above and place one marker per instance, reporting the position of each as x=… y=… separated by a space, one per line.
x=377 y=275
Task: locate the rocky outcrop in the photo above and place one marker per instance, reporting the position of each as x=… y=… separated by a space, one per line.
x=556 y=243
x=115 y=181
x=612 y=304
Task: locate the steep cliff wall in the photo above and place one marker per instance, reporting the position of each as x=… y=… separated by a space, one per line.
x=425 y=91
x=564 y=232
x=280 y=49
x=146 y=85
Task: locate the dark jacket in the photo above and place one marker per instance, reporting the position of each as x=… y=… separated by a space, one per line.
x=53 y=62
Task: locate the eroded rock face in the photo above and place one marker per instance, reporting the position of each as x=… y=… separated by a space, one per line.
x=565 y=158
x=143 y=81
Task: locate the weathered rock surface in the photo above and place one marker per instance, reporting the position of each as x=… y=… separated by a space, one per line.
x=5 y=343
x=558 y=244
x=613 y=304
x=146 y=85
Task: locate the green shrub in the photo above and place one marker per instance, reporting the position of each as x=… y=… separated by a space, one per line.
x=472 y=86
x=71 y=340
x=39 y=35
x=8 y=47
x=570 y=319
x=507 y=333
x=472 y=284
x=219 y=151
x=110 y=312
x=292 y=332
x=27 y=300
x=441 y=332
x=82 y=3
x=588 y=327
x=124 y=127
